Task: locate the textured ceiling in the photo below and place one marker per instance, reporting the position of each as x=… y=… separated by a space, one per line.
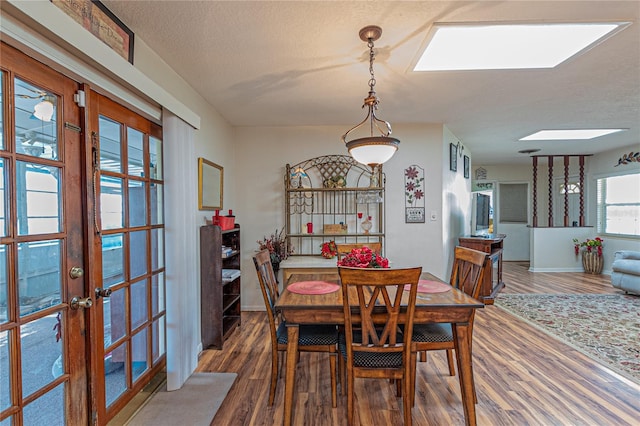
x=291 y=63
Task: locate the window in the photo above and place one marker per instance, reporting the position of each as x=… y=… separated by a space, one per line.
x=572 y=188
x=619 y=205
x=513 y=202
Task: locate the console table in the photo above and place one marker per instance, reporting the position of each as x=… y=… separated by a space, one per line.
x=492 y=245
x=306 y=265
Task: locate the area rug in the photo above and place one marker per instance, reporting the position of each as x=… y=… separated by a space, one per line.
x=195 y=404
x=605 y=327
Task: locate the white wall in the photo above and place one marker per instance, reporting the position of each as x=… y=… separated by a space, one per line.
x=552 y=248
x=606 y=164
x=456 y=201
x=214 y=138
x=263 y=153
x=517 y=242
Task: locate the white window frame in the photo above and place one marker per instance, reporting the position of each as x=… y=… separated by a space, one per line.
x=601 y=207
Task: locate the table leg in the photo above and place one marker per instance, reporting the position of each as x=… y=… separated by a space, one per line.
x=293 y=332
x=462 y=334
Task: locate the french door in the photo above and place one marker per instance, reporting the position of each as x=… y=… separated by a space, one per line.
x=127 y=181
x=82 y=313
x=43 y=375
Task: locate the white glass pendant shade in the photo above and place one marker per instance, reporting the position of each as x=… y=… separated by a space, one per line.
x=43 y=110
x=373 y=150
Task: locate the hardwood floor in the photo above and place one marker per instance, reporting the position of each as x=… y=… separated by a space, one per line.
x=522 y=376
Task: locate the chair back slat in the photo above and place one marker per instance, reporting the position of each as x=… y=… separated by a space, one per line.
x=268 y=285
x=467 y=273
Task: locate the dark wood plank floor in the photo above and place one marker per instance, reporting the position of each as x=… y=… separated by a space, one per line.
x=523 y=377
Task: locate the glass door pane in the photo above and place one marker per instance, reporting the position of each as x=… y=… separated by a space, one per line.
x=42 y=340
x=132 y=253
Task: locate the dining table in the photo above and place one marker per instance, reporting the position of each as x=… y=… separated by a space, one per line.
x=317 y=306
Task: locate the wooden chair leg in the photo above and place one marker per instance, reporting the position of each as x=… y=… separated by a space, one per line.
x=407 y=398
x=342 y=369
x=423 y=356
x=274 y=374
x=334 y=387
x=451 y=362
x=414 y=356
x=350 y=401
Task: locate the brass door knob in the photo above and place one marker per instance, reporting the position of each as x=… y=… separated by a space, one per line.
x=76 y=272
x=81 y=302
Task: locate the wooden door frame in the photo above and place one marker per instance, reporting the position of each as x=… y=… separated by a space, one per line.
x=74 y=253
x=97 y=105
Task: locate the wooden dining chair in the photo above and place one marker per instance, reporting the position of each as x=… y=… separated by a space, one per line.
x=345 y=248
x=312 y=338
x=467 y=275
x=372 y=344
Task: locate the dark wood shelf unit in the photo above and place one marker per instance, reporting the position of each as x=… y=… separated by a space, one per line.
x=220 y=298
x=492 y=245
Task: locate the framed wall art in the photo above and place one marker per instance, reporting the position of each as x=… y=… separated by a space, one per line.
x=210 y=184
x=466 y=166
x=453 y=157
x=414 y=194
x=102 y=23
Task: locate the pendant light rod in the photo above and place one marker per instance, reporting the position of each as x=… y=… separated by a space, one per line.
x=372 y=150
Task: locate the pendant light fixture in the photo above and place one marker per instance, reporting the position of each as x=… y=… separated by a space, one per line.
x=372 y=150
x=44 y=109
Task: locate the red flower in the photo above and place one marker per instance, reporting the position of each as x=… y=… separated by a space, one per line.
x=589 y=245
x=329 y=249
x=411 y=173
x=363 y=258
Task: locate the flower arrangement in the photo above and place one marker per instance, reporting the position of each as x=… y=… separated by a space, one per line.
x=329 y=249
x=277 y=246
x=590 y=245
x=363 y=258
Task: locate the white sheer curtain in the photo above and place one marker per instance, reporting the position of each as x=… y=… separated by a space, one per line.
x=183 y=288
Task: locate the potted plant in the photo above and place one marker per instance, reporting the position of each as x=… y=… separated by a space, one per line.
x=278 y=248
x=592 y=260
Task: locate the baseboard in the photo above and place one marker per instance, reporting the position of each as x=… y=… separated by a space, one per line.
x=253 y=308
x=556 y=269
x=604 y=272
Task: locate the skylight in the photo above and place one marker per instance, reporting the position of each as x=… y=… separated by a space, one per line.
x=508 y=46
x=548 y=135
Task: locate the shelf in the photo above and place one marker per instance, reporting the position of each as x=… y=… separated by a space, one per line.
x=229 y=324
x=220 y=297
x=344 y=188
x=370 y=234
x=311 y=197
x=230 y=255
x=229 y=231
x=228 y=300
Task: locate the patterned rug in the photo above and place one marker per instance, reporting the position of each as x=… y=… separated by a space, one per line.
x=605 y=327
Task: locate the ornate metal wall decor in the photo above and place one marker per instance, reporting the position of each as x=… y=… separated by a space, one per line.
x=414 y=194
x=632 y=157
